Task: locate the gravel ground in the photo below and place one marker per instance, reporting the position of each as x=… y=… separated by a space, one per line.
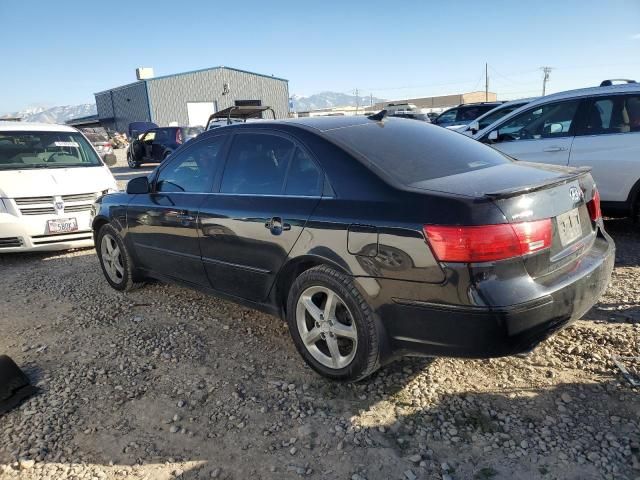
x=166 y=383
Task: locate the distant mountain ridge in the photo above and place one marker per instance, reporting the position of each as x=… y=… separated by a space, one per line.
x=330 y=100
x=61 y=114
x=58 y=114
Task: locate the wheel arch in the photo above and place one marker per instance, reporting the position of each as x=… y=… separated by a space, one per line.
x=633 y=200
x=291 y=270
x=97 y=223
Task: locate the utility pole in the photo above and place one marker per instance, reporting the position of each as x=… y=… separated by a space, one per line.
x=545 y=79
x=486 y=82
x=371 y=99
x=357 y=101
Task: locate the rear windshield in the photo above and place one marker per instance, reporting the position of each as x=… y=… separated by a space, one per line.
x=412 y=152
x=190 y=132
x=22 y=150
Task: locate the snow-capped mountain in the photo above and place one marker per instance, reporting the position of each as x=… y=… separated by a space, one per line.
x=54 y=114
x=328 y=100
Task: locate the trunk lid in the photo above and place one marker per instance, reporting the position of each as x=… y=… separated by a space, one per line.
x=526 y=192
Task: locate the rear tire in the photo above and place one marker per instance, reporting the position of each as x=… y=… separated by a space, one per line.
x=115 y=260
x=332 y=325
x=132 y=163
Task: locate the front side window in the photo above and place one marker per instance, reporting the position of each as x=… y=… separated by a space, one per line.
x=192 y=170
x=616 y=114
x=257 y=164
x=28 y=149
x=552 y=120
x=448 y=116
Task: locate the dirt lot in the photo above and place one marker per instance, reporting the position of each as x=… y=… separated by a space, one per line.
x=165 y=382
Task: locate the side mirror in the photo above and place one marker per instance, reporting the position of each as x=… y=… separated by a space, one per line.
x=110 y=159
x=493 y=136
x=474 y=127
x=138 y=185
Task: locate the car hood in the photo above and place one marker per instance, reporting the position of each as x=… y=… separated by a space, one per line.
x=55 y=181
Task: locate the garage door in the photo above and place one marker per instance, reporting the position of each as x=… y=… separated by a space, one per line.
x=199 y=112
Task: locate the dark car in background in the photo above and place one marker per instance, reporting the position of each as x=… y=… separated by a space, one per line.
x=155 y=145
x=373 y=237
x=464 y=114
x=136 y=129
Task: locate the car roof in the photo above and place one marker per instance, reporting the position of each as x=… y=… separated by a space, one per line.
x=34 y=127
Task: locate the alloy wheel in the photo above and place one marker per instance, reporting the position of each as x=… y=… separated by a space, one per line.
x=326 y=327
x=112 y=258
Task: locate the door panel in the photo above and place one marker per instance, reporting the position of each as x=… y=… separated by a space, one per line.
x=268 y=190
x=163 y=225
x=548 y=150
x=608 y=141
x=242 y=246
x=542 y=134
x=614 y=159
x=163 y=230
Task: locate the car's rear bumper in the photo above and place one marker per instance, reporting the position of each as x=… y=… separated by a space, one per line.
x=427 y=328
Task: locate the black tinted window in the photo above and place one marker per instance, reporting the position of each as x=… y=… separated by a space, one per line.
x=191 y=170
x=468 y=114
x=257 y=164
x=304 y=178
x=415 y=151
x=616 y=114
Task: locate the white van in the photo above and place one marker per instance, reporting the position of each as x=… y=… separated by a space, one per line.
x=50 y=176
x=596 y=127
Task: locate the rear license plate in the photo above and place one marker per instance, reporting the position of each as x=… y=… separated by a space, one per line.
x=62 y=225
x=569 y=226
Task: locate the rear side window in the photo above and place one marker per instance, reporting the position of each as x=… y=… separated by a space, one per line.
x=303 y=178
x=615 y=114
x=411 y=151
x=257 y=164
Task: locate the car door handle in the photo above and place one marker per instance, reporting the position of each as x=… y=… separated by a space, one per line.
x=554 y=149
x=185 y=217
x=276 y=225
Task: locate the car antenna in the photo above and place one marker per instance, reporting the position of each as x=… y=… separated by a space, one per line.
x=378 y=116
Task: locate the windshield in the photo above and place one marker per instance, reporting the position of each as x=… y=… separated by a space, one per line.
x=497 y=114
x=22 y=150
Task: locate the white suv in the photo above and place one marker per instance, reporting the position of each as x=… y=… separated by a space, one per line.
x=597 y=127
x=50 y=176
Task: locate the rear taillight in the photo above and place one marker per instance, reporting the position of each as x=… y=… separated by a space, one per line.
x=486 y=243
x=179 y=136
x=594 y=206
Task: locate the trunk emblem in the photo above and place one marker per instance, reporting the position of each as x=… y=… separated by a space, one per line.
x=575 y=194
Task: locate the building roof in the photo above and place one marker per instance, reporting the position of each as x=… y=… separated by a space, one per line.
x=34 y=127
x=189 y=73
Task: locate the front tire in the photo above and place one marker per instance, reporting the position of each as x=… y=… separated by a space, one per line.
x=115 y=260
x=332 y=325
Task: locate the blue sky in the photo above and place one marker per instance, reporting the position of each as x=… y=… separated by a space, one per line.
x=61 y=52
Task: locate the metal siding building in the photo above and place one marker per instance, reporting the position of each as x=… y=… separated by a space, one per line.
x=163 y=100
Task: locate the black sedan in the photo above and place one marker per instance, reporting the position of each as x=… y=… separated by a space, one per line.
x=373 y=237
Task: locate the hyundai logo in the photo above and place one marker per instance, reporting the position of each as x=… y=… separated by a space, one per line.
x=576 y=194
